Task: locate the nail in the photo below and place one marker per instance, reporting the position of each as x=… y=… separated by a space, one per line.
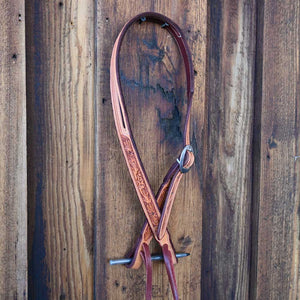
x=123 y=261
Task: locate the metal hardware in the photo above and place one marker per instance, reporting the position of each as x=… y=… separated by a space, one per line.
x=124 y=261
x=182 y=156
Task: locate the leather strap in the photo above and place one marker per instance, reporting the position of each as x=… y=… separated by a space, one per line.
x=156 y=209
x=145 y=254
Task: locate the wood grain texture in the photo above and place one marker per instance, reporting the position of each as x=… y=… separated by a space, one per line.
x=236 y=211
x=227 y=198
x=60 y=90
x=153 y=83
x=276 y=270
x=13 y=200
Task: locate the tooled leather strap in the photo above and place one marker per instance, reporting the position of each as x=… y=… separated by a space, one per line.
x=157 y=220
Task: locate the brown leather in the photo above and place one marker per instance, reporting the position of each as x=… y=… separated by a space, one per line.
x=156 y=209
x=146 y=255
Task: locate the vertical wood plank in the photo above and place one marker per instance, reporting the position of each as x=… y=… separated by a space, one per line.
x=60 y=84
x=13 y=200
x=153 y=83
x=227 y=198
x=276 y=270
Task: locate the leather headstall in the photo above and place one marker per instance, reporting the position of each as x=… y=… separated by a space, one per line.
x=157 y=208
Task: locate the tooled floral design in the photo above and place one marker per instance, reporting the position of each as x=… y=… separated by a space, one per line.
x=139 y=180
x=160 y=200
x=147 y=233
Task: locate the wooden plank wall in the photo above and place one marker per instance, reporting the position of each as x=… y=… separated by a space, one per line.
x=13 y=173
x=236 y=211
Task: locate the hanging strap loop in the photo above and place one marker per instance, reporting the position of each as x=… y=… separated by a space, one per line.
x=157 y=208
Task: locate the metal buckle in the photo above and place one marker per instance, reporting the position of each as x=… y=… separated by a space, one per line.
x=182 y=156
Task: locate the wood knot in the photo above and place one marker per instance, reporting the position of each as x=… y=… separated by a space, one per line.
x=185 y=242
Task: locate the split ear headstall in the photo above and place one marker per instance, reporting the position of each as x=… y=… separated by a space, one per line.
x=157 y=208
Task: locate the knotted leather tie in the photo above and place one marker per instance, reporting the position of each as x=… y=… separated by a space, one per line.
x=157 y=208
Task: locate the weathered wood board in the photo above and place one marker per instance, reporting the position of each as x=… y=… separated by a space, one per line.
x=13 y=173
x=276 y=236
x=60 y=93
x=227 y=198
